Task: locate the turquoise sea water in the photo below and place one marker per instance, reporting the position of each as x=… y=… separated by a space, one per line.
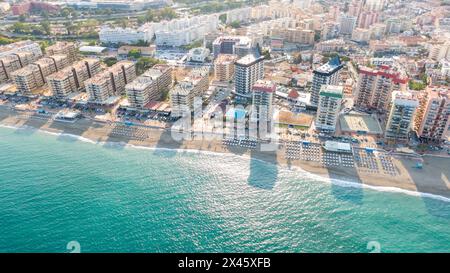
x=111 y=198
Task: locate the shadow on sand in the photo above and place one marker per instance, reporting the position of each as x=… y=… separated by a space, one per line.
x=433 y=177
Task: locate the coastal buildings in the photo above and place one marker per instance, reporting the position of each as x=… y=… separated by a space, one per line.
x=71 y=79
x=33 y=76
x=183 y=94
x=248 y=70
x=28 y=79
x=66 y=48
x=327 y=74
x=62 y=83
x=375 y=87
x=13 y=62
x=85 y=69
x=262 y=100
x=21 y=46
x=224 y=67
x=162 y=74
x=17 y=55
x=401 y=116
x=150 y=86
x=433 y=114
x=330 y=99
x=111 y=82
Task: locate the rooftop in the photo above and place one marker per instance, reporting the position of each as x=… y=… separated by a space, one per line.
x=331 y=66
x=360 y=123
x=248 y=60
x=93 y=49
x=334 y=91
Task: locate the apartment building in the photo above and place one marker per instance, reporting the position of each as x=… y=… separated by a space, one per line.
x=141 y=91
x=26 y=57
x=347 y=24
x=21 y=46
x=294 y=35
x=162 y=74
x=46 y=66
x=111 y=82
x=375 y=87
x=66 y=48
x=60 y=60
x=327 y=74
x=262 y=100
x=62 y=83
x=400 y=120
x=100 y=88
x=123 y=35
x=361 y=35
x=238 y=45
x=224 y=67
x=433 y=114
x=182 y=96
x=149 y=86
x=330 y=100
x=28 y=79
x=9 y=64
x=85 y=69
x=14 y=61
x=248 y=70
x=71 y=79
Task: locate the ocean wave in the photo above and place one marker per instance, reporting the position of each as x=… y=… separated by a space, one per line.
x=293 y=169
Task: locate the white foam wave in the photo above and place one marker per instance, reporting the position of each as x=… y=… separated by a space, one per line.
x=296 y=169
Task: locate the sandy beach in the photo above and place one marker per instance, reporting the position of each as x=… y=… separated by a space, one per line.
x=433 y=178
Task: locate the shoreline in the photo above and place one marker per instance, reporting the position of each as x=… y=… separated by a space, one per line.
x=97 y=133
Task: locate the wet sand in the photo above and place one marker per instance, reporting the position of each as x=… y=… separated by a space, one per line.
x=434 y=178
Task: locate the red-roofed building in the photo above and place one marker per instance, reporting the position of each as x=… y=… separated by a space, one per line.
x=293 y=95
x=375 y=87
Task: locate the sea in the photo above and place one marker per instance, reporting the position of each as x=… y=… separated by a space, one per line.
x=62 y=193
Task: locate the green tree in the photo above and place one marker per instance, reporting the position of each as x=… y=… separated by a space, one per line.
x=167 y=13
x=223 y=18
x=20 y=27
x=235 y=24
x=134 y=53
x=266 y=54
x=145 y=63
x=6 y=40
x=46 y=27
x=110 y=61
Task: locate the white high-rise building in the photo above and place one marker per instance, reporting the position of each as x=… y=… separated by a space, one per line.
x=330 y=99
x=401 y=116
x=122 y=35
x=183 y=94
x=248 y=70
x=262 y=100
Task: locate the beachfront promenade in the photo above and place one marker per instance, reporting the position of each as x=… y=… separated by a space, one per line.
x=373 y=168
